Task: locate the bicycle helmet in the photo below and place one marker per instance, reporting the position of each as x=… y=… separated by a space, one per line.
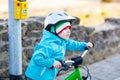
x=55 y=17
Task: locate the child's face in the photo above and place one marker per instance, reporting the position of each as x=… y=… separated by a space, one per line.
x=65 y=34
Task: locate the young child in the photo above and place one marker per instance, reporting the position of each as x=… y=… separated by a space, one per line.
x=52 y=47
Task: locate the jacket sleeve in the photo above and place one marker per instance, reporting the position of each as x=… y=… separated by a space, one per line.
x=42 y=57
x=75 y=45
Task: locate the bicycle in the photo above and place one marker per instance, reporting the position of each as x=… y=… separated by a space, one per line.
x=76 y=74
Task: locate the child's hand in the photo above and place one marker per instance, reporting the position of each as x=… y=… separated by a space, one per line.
x=89 y=44
x=57 y=64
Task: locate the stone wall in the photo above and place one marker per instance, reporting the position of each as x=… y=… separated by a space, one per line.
x=107 y=42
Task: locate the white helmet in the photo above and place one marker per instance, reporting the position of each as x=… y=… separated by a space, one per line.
x=57 y=16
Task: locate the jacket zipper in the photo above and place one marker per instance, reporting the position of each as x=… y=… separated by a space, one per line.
x=43 y=70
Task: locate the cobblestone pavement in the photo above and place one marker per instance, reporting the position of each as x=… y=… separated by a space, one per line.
x=108 y=69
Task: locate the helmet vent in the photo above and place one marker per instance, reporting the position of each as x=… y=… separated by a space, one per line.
x=66 y=14
x=60 y=14
x=50 y=14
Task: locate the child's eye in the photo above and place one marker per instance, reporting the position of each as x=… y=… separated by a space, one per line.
x=70 y=27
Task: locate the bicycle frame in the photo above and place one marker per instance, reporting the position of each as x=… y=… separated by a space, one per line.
x=76 y=75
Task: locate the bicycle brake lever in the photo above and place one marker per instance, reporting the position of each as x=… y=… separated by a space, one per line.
x=65 y=68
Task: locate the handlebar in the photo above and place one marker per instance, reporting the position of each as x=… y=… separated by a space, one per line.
x=74 y=61
x=84 y=53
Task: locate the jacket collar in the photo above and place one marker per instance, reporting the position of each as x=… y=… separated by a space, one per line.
x=51 y=37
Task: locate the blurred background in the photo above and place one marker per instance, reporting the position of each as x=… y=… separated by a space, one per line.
x=99 y=22
x=91 y=12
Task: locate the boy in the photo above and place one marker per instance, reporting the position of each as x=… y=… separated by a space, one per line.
x=52 y=47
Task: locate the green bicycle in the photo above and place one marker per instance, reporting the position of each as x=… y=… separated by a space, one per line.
x=76 y=74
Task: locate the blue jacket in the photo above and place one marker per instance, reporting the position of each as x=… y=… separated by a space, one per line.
x=50 y=48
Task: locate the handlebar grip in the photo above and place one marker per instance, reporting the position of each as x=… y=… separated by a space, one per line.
x=66 y=67
x=93 y=44
x=88 y=47
x=62 y=62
